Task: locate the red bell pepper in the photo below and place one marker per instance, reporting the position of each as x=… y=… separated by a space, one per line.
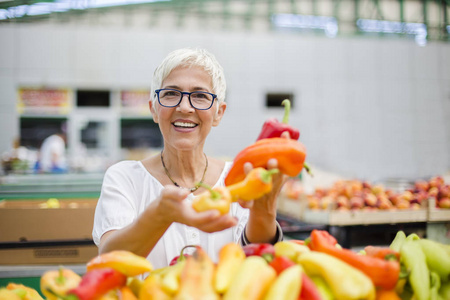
x=273 y=128
x=265 y=250
x=309 y=290
x=96 y=283
x=383 y=273
x=280 y=263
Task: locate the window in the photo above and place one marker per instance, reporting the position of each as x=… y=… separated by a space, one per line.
x=93 y=98
x=275 y=99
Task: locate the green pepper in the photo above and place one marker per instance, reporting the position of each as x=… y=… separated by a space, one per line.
x=414 y=259
x=435 y=282
x=412 y=237
x=444 y=291
x=438 y=260
x=398 y=241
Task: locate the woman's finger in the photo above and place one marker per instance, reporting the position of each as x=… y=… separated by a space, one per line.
x=248 y=167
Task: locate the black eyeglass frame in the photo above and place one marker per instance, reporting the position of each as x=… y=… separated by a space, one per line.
x=189 y=98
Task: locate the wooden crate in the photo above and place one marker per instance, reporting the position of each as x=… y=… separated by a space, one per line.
x=357 y=217
x=436 y=214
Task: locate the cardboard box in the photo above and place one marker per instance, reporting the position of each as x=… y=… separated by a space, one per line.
x=48 y=255
x=27 y=220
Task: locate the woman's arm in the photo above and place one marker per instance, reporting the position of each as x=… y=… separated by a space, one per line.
x=142 y=235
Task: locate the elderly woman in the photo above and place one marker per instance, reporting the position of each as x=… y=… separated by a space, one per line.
x=145 y=206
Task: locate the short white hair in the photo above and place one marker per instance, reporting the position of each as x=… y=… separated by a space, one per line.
x=191 y=57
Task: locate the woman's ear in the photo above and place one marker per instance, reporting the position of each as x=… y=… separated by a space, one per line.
x=219 y=114
x=151 y=105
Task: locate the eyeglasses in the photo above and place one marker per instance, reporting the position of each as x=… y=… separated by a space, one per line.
x=172 y=98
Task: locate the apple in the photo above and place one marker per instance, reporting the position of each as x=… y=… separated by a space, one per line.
x=356 y=202
x=326 y=202
x=313 y=202
x=402 y=204
x=444 y=191
x=444 y=202
x=415 y=206
x=436 y=181
x=433 y=192
x=422 y=185
x=407 y=195
x=384 y=203
x=370 y=200
x=342 y=201
x=377 y=189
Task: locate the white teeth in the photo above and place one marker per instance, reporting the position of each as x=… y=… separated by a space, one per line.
x=183 y=124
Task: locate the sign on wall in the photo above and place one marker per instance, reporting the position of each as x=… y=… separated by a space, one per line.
x=55 y=101
x=135 y=102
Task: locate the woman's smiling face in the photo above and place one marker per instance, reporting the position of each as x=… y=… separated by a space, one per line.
x=183 y=126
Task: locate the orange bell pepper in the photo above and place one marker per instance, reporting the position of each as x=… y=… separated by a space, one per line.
x=123 y=261
x=290 y=154
x=382 y=252
x=59 y=281
x=218 y=198
x=383 y=294
x=256 y=184
x=383 y=273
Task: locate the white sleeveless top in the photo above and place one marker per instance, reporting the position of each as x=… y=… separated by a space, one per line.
x=128 y=188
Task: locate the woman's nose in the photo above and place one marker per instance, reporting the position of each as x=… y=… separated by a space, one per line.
x=185 y=104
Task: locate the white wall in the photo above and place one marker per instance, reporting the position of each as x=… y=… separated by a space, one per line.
x=366 y=108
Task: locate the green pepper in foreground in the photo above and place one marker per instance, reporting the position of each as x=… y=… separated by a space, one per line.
x=414 y=259
x=438 y=260
x=435 y=282
x=398 y=241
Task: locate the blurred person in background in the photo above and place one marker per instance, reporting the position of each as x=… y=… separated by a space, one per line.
x=52 y=153
x=146 y=206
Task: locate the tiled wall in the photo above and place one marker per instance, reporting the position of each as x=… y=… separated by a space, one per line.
x=367 y=108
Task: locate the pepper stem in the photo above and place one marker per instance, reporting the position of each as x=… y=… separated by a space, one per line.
x=287 y=109
x=266 y=175
x=61 y=280
x=308 y=169
x=215 y=195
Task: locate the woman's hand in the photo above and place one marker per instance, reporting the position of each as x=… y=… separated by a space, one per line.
x=172 y=207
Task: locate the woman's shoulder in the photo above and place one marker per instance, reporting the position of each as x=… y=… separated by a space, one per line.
x=125 y=167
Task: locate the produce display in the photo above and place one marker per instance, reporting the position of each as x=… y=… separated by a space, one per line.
x=316 y=268
x=356 y=194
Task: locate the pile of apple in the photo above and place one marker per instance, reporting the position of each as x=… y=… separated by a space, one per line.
x=362 y=195
x=433 y=188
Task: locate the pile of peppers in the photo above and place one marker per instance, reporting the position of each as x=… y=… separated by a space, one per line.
x=314 y=269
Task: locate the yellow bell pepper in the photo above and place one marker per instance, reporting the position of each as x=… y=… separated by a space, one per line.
x=197 y=278
x=26 y=293
x=231 y=257
x=218 y=198
x=252 y=280
x=290 y=249
x=287 y=285
x=59 y=282
x=6 y=294
x=123 y=261
x=345 y=281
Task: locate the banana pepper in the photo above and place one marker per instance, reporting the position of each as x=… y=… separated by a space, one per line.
x=438 y=260
x=345 y=281
x=287 y=285
x=256 y=184
x=414 y=260
x=123 y=261
x=231 y=256
x=218 y=198
x=197 y=278
x=252 y=280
